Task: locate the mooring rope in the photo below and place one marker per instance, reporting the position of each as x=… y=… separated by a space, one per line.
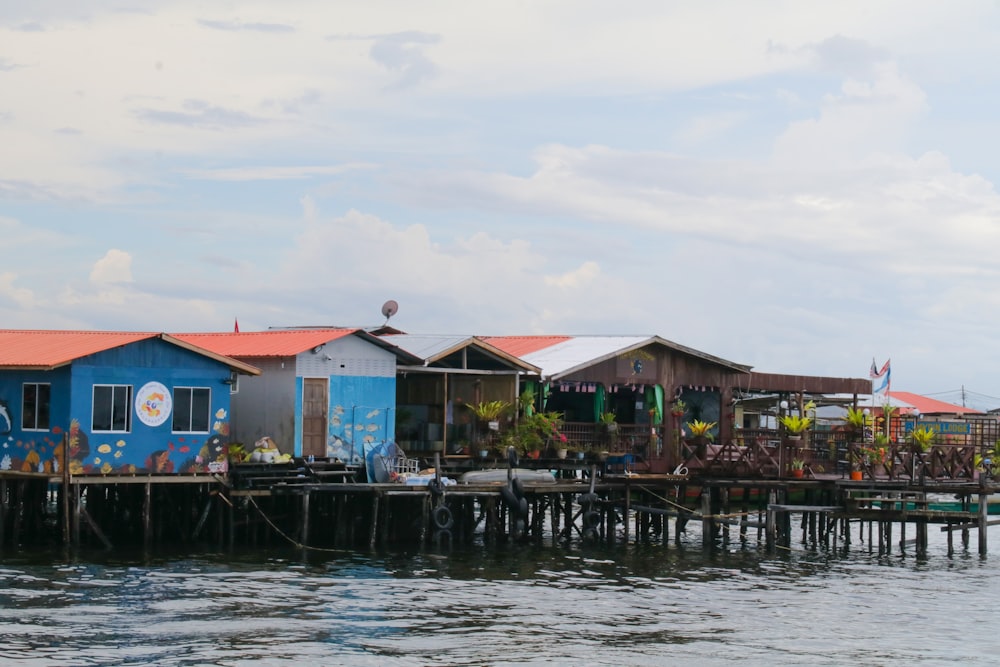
x=291 y=540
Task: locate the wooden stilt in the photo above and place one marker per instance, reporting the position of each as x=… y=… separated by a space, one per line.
x=147 y=515
x=305 y=519
x=983 y=522
x=373 y=533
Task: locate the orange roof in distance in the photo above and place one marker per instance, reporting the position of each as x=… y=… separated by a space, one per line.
x=519 y=346
x=272 y=343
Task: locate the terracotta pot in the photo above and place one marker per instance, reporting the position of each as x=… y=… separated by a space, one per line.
x=857 y=475
x=798 y=472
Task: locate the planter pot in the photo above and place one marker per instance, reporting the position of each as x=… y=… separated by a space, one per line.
x=581 y=455
x=857 y=475
x=561 y=453
x=483 y=453
x=798 y=473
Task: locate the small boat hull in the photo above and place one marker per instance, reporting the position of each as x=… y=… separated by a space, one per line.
x=500 y=475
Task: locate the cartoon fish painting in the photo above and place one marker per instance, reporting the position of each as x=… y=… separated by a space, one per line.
x=6 y=425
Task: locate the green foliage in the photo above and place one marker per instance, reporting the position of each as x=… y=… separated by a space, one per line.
x=678 y=407
x=798 y=464
x=922 y=438
x=699 y=428
x=488 y=411
x=796 y=423
x=534 y=432
x=608 y=418
x=856 y=418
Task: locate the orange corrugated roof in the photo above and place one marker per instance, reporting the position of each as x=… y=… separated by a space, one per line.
x=519 y=346
x=930 y=406
x=274 y=343
x=51 y=349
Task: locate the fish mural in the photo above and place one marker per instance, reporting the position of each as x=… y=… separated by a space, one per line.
x=6 y=425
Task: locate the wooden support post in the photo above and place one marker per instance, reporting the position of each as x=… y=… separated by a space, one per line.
x=771 y=531
x=64 y=488
x=77 y=497
x=3 y=510
x=983 y=521
x=373 y=529
x=707 y=525
x=305 y=519
x=18 y=504
x=147 y=515
x=628 y=507
x=97 y=530
x=203 y=517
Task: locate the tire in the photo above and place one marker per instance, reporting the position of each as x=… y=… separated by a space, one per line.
x=590 y=534
x=591 y=520
x=522 y=507
x=434 y=486
x=517 y=486
x=512 y=459
x=509 y=499
x=442 y=517
x=588 y=498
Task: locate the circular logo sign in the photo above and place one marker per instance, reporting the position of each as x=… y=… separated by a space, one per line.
x=152 y=404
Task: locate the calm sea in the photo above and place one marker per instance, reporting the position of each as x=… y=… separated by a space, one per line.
x=650 y=604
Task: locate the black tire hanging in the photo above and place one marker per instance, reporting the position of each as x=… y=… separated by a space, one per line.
x=442 y=518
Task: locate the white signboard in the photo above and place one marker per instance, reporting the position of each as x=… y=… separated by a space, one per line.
x=153 y=404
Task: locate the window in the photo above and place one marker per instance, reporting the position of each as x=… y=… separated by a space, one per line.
x=192 y=409
x=112 y=408
x=35 y=404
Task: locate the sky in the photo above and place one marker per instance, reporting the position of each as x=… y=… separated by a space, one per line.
x=802 y=187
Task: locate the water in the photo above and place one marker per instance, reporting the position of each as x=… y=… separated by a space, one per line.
x=516 y=605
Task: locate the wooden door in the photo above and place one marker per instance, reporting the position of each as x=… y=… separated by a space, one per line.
x=315 y=405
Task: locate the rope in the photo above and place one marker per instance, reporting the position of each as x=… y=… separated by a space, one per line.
x=290 y=540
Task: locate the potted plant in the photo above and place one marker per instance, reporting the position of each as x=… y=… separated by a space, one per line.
x=796 y=425
x=798 y=468
x=701 y=434
x=678 y=408
x=856 y=420
x=609 y=421
x=921 y=439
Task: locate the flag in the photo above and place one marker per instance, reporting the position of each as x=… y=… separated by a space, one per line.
x=885 y=374
x=875 y=372
x=236 y=328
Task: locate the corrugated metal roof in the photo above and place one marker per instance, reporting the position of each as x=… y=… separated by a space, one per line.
x=928 y=406
x=52 y=349
x=559 y=356
x=273 y=343
x=46 y=350
x=519 y=346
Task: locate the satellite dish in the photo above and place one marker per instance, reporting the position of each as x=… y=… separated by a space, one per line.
x=389 y=309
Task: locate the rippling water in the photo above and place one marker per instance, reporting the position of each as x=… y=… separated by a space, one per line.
x=518 y=605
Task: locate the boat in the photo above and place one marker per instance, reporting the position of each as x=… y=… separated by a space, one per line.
x=500 y=475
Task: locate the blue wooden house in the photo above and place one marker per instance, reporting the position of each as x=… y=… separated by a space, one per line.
x=325 y=392
x=123 y=403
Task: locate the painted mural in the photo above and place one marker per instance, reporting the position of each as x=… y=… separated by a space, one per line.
x=107 y=453
x=354 y=431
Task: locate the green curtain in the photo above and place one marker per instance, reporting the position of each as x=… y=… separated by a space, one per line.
x=654 y=400
x=599 y=403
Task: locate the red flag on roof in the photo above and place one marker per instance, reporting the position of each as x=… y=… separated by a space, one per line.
x=236 y=325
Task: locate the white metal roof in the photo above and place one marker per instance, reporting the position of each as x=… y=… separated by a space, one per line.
x=581 y=351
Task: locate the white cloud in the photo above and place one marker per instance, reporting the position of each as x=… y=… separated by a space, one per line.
x=114 y=268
